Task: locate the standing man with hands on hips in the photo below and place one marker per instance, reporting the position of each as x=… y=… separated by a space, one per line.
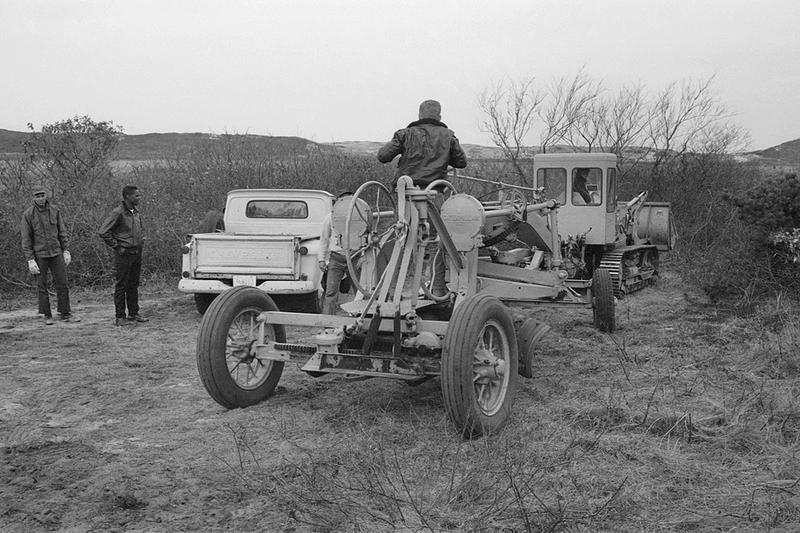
x=122 y=231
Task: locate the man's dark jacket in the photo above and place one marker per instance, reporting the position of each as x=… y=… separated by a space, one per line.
x=43 y=233
x=426 y=147
x=122 y=228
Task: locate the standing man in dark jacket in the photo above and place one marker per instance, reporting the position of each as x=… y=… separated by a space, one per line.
x=426 y=148
x=122 y=231
x=44 y=243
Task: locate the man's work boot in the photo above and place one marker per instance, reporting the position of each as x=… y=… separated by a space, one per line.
x=138 y=318
x=120 y=322
x=69 y=318
x=48 y=321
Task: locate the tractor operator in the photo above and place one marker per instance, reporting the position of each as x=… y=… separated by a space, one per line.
x=580 y=194
x=426 y=147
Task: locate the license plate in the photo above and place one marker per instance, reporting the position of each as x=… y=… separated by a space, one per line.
x=249 y=281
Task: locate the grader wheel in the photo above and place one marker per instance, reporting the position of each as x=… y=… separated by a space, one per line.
x=368 y=227
x=603 y=301
x=230 y=370
x=479 y=366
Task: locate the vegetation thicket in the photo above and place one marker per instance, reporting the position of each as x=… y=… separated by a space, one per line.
x=73 y=159
x=677 y=144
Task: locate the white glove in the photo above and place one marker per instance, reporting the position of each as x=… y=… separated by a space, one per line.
x=67 y=257
x=33 y=268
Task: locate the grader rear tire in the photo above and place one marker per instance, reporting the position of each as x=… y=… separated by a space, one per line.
x=228 y=367
x=479 y=366
x=603 y=301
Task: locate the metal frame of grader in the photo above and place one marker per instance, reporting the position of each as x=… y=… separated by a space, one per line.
x=398 y=327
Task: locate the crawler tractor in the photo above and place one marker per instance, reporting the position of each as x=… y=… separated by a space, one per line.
x=597 y=231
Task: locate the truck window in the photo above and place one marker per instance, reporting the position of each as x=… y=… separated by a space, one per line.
x=276 y=209
x=587 y=186
x=611 y=205
x=554 y=181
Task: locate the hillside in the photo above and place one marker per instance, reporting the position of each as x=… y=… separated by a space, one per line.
x=786 y=154
x=164 y=145
x=370 y=148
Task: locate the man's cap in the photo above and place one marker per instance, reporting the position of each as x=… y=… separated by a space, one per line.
x=430 y=109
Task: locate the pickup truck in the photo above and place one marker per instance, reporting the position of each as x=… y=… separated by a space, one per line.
x=269 y=241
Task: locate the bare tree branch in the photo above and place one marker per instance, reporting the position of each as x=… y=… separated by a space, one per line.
x=510 y=109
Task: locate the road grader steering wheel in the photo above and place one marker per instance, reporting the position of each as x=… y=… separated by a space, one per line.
x=370 y=220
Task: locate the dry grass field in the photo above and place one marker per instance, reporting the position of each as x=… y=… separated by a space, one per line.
x=685 y=419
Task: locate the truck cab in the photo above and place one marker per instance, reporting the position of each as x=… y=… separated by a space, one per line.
x=585 y=186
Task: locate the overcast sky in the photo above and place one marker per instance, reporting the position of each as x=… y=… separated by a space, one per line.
x=357 y=70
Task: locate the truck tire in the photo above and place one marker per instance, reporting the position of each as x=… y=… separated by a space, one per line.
x=229 y=370
x=603 y=308
x=212 y=222
x=479 y=366
x=202 y=301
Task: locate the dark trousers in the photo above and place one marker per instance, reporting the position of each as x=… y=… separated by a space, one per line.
x=59 y=269
x=127 y=269
x=337 y=267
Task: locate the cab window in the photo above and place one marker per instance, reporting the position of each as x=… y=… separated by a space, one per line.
x=554 y=181
x=276 y=209
x=611 y=205
x=587 y=186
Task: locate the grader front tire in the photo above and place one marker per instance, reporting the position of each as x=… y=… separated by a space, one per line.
x=603 y=307
x=479 y=366
x=226 y=360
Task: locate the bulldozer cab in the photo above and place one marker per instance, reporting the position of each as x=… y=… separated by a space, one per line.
x=585 y=187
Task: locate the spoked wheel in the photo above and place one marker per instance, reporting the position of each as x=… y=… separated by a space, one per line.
x=227 y=361
x=603 y=308
x=479 y=366
x=514 y=200
x=368 y=224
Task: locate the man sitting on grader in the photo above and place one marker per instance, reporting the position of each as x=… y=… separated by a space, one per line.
x=426 y=147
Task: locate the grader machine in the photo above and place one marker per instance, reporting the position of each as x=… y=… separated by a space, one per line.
x=501 y=251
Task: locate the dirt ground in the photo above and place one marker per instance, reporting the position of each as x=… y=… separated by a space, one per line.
x=109 y=429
